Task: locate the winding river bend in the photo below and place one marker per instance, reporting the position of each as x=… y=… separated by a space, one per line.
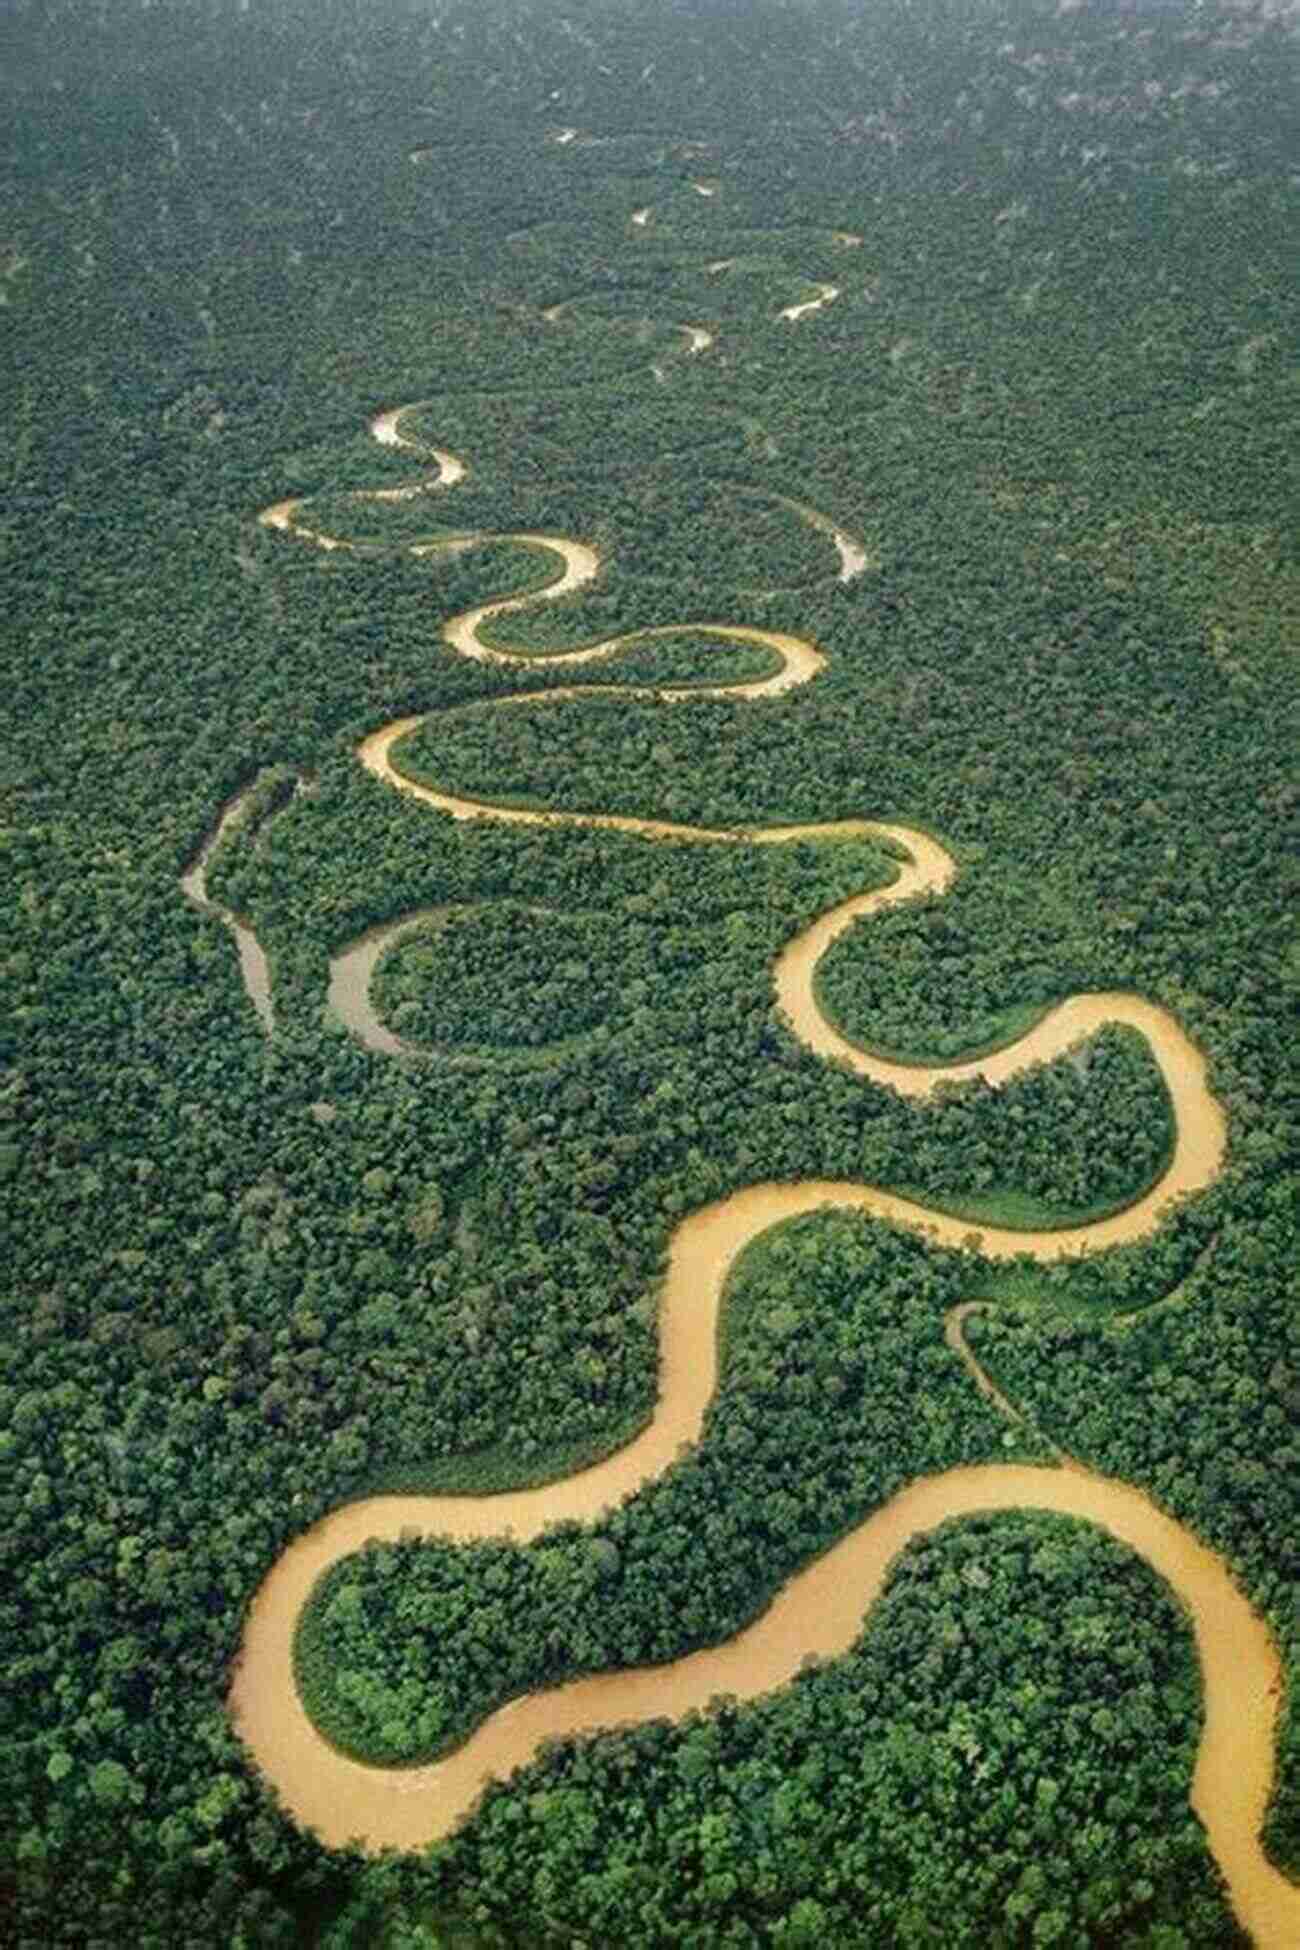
x=820 y=1610
x=253 y=965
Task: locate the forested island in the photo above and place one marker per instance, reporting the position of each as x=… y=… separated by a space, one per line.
x=648 y=1067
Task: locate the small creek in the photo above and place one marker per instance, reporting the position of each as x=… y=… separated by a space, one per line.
x=194 y=885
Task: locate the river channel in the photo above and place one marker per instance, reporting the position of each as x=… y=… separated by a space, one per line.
x=821 y=1609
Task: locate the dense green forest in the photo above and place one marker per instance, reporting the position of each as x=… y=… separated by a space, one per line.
x=248 y=1277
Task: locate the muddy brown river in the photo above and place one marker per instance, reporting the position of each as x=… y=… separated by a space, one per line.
x=821 y=1609
x=253 y=964
x=826 y=295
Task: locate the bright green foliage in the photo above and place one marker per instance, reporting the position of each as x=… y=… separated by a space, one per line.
x=1021 y=1678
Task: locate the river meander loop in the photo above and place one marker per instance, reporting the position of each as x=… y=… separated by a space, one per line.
x=820 y=1610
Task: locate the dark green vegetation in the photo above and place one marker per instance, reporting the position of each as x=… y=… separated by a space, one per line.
x=506 y=974
x=243 y=1280
x=829 y=1311
x=876 y=1799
